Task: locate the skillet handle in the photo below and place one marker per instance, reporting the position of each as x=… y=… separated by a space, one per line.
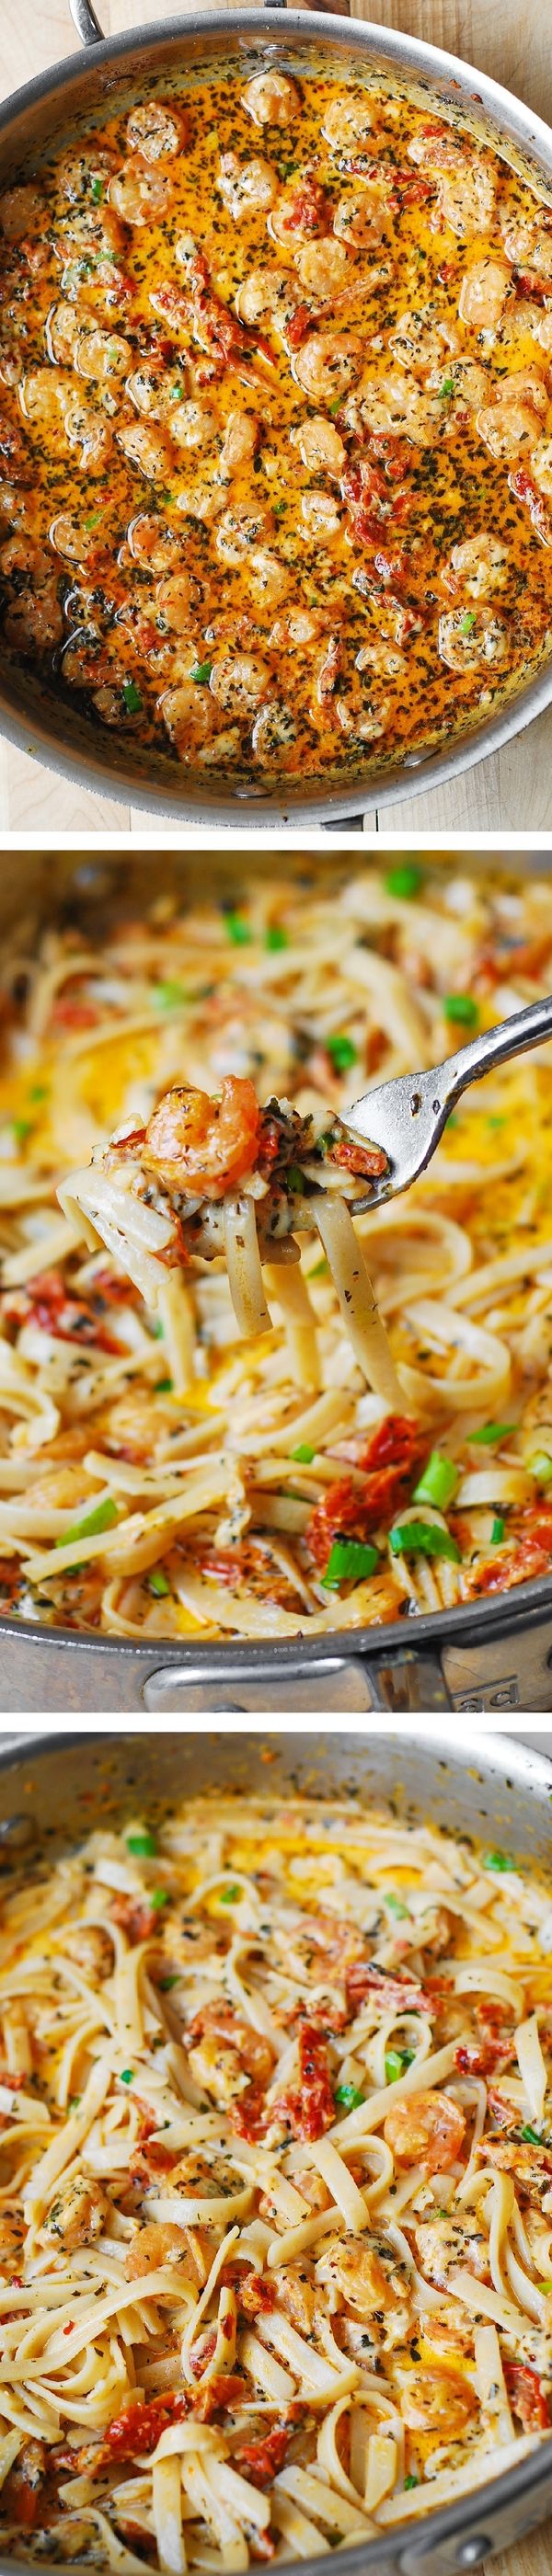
x=86 y=22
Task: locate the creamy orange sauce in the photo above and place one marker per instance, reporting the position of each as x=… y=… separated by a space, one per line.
x=276 y=426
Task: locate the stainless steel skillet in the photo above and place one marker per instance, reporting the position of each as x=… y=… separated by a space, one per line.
x=54 y=1788
x=77 y=90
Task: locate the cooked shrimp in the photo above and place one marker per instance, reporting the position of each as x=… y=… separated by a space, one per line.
x=192 y=425
x=320 y=445
x=267 y=295
x=360 y=716
x=461 y=383
x=198 y=1144
x=91 y=1949
x=274 y=735
x=187 y=712
x=508 y=427
x=200 y=500
x=157 y=131
x=102 y=355
x=325 y=269
x=360 y=219
x=478 y=566
x=237 y=531
x=78 y=2214
x=240 y=682
x=528 y=243
x=268 y=576
x=241 y=438
x=86 y=430
x=41 y=394
x=146 y=446
x=483 y=294
x=151 y=544
x=141 y=196
x=466 y=197
x=175 y=599
x=64 y=324
x=470 y=640
x=418 y=341
x=526 y=386
x=35 y=620
x=321 y=515
x=22 y=210
x=438 y=2401
x=398 y=403
x=271 y=98
x=248 y=187
x=443 y=2243
x=347 y=122
x=358 y=2274
x=326 y=365
x=530 y=2165
x=541 y=465
x=426 y=2129
x=152 y=2246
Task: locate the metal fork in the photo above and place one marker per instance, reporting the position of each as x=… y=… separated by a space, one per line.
x=406 y=1118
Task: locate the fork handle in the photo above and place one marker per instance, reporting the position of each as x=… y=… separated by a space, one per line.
x=523 y=1029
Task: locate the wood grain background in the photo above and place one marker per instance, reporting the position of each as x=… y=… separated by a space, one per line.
x=513 y=791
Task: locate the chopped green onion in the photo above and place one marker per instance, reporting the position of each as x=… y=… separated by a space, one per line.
x=304 y=1454
x=349 y=1562
x=468 y=622
x=165 y=1984
x=132 y=699
x=404 y=882
x=295 y=1176
x=230 y=1896
x=103 y=1517
x=127 y=2076
x=275 y=937
x=201 y=674
x=238 y=929
x=498 y=1532
x=93 y=520
x=157 y=1583
x=531 y=2135
x=447 y=387
x=394 y=1906
x=461 y=1007
x=170 y=996
x=335 y=407
x=423 y=1538
x=411 y=2482
x=321 y=1269
x=159 y=1897
x=540 y=1466
x=40 y=1091
x=342 y=1052
x=492 y=1433
x=396 y=2062
x=97 y=191
x=22 y=1128
x=163 y=1386
x=498 y=1860
x=144 y=1846
x=439 y=1482
x=350 y=2095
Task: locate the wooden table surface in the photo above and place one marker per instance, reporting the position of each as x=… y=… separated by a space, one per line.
x=511 y=792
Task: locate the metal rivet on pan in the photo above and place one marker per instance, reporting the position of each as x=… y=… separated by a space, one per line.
x=472 y=2551
x=17 y=1830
